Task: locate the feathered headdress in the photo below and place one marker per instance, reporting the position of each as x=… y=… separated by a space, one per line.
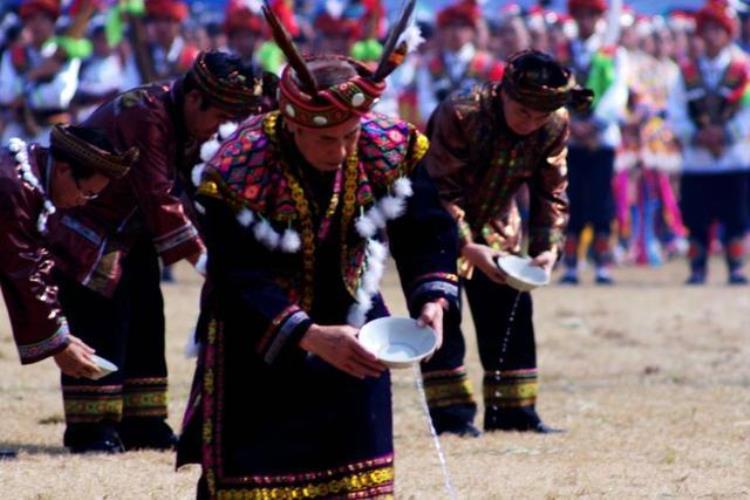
x=302 y=102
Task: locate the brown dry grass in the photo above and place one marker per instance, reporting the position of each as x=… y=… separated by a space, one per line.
x=651 y=380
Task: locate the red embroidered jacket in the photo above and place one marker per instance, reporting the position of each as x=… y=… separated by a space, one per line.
x=90 y=241
x=39 y=328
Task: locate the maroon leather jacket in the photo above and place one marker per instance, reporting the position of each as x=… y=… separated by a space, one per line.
x=90 y=242
x=26 y=265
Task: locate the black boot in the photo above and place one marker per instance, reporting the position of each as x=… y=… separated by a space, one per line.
x=151 y=433
x=92 y=438
x=516 y=419
x=449 y=424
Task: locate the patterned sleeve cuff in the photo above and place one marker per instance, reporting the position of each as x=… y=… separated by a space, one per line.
x=179 y=244
x=433 y=286
x=286 y=329
x=31 y=353
x=542 y=240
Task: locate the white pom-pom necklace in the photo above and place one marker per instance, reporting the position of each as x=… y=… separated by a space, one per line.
x=21 y=152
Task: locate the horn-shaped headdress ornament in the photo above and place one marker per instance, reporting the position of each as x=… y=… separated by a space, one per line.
x=304 y=103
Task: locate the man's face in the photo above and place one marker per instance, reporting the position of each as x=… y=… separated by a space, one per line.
x=715 y=38
x=521 y=119
x=327 y=148
x=67 y=192
x=458 y=34
x=201 y=121
x=586 y=19
x=40 y=27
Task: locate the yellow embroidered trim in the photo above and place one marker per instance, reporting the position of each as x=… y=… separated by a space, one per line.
x=348 y=485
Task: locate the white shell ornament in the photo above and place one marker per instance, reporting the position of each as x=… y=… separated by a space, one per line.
x=358 y=100
x=290 y=110
x=320 y=120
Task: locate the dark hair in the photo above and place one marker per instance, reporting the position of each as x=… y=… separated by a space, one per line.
x=221 y=65
x=95 y=137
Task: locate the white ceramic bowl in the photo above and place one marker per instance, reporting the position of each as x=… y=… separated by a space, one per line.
x=398 y=342
x=105 y=367
x=522 y=274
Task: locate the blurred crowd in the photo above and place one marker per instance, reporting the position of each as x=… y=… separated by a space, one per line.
x=58 y=62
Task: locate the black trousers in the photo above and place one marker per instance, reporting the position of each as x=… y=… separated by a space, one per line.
x=591 y=201
x=127 y=329
x=722 y=198
x=507 y=352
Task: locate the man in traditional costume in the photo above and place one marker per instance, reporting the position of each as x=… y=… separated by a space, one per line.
x=109 y=250
x=486 y=144
x=164 y=54
x=709 y=110
x=458 y=63
x=594 y=137
x=37 y=79
x=297 y=203
x=34 y=182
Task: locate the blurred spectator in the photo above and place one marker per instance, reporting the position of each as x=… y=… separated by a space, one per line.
x=594 y=137
x=101 y=74
x=37 y=81
x=164 y=54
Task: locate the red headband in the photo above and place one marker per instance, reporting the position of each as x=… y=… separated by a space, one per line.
x=355 y=97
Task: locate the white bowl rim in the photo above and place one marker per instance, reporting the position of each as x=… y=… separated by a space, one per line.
x=372 y=326
x=510 y=272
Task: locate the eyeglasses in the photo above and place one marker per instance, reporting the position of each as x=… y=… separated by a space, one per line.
x=86 y=195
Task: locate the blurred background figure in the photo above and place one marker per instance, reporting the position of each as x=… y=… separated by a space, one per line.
x=709 y=110
x=594 y=137
x=101 y=75
x=457 y=63
x=160 y=52
x=38 y=75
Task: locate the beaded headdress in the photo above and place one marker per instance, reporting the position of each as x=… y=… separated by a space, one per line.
x=302 y=102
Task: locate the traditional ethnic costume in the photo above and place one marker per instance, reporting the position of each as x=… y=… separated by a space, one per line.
x=290 y=245
x=715 y=184
x=648 y=218
x=40 y=328
x=160 y=63
x=479 y=165
x=108 y=252
x=591 y=164
x=45 y=102
x=445 y=72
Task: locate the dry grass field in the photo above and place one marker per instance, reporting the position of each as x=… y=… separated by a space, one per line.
x=651 y=380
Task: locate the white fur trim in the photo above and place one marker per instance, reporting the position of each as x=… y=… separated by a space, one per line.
x=290 y=241
x=197 y=174
x=377 y=250
x=370 y=282
x=209 y=149
x=392 y=207
x=357 y=316
x=227 y=129
x=402 y=187
x=18 y=146
x=199 y=208
x=265 y=234
x=245 y=217
x=365 y=226
x=376 y=216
